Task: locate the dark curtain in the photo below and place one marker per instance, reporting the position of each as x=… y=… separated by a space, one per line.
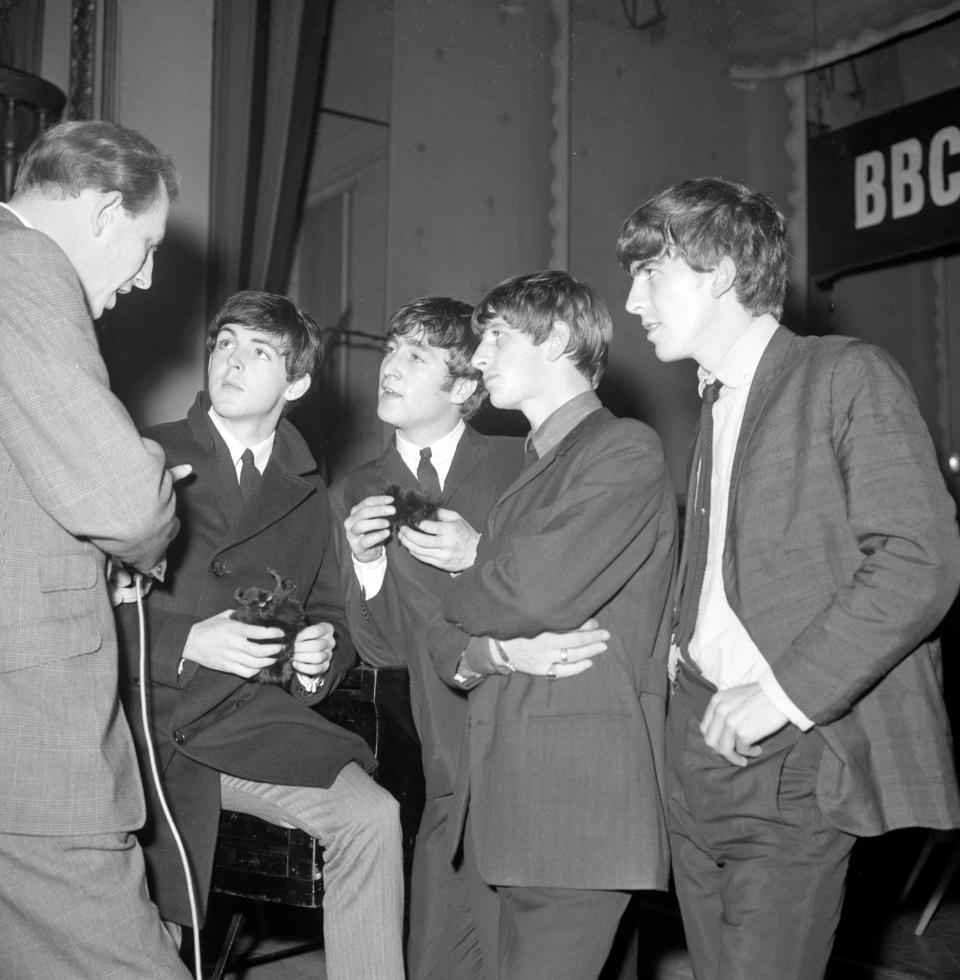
x=268 y=65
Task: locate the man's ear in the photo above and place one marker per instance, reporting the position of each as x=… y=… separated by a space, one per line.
x=724 y=277
x=558 y=339
x=462 y=389
x=106 y=207
x=297 y=389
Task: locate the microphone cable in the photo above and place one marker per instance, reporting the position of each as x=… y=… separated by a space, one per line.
x=155 y=773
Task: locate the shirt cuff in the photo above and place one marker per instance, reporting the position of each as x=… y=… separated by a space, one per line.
x=475 y=662
x=310 y=684
x=771 y=687
x=370 y=574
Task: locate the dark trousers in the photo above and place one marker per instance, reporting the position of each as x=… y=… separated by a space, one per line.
x=758 y=872
x=557 y=933
x=454 y=914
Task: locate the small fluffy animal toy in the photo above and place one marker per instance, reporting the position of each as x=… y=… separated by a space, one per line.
x=412 y=506
x=276 y=608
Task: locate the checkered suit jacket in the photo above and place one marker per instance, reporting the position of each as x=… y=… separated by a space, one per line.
x=842 y=556
x=76 y=483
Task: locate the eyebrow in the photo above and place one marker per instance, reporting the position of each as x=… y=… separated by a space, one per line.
x=255 y=338
x=418 y=343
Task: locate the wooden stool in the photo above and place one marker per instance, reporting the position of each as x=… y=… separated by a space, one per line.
x=261 y=862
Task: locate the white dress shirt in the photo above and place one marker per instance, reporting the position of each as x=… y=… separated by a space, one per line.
x=261 y=451
x=721 y=646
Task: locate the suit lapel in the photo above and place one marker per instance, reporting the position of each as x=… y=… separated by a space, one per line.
x=769 y=367
x=470 y=451
x=393 y=469
x=214 y=467
x=281 y=488
x=781 y=345
x=531 y=473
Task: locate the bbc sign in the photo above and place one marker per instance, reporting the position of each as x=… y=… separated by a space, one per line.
x=885 y=188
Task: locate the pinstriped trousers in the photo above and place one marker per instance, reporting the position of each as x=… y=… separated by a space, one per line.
x=358 y=824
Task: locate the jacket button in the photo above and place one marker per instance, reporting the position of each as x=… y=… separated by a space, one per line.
x=218 y=568
x=179 y=737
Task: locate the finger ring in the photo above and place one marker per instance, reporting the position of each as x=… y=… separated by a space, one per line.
x=563 y=656
x=551 y=674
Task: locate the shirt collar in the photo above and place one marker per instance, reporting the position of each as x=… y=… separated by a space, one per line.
x=563 y=421
x=738 y=366
x=261 y=451
x=16 y=214
x=441 y=451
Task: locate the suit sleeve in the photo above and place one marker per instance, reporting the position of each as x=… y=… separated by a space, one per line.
x=564 y=558
x=376 y=625
x=69 y=437
x=325 y=604
x=904 y=522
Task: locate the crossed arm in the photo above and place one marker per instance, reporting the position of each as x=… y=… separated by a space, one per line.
x=450 y=544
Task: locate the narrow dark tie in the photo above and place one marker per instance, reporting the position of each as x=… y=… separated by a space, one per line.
x=427 y=474
x=249 y=476
x=697 y=523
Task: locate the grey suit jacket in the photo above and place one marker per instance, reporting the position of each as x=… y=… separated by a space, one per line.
x=76 y=483
x=564 y=780
x=842 y=556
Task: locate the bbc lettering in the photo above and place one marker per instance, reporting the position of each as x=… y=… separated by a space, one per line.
x=911 y=181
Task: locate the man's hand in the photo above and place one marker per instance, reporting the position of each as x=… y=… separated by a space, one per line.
x=449 y=542
x=225 y=644
x=736 y=719
x=367 y=526
x=313 y=649
x=120 y=587
x=177 y=473
x=567 y=654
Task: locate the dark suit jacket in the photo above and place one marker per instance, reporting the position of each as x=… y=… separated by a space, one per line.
x=565 y=777
x=393 y=627
x=76 y=483
x=205 y=722
x=842 y=556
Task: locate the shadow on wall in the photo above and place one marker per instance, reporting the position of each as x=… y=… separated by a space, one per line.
x=620 y=392
x=152 y=338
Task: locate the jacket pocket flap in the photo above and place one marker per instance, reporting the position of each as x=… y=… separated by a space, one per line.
x=75 y=570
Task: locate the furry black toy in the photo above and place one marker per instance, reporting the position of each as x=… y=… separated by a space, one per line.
x=262 y=608
x=412 y=506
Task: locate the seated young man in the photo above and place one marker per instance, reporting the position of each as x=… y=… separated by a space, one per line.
x=255 y=502
x=563 y=762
